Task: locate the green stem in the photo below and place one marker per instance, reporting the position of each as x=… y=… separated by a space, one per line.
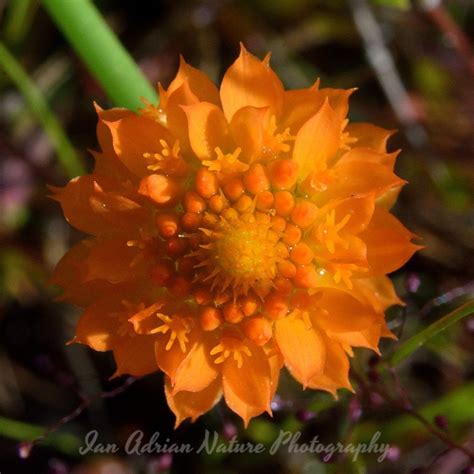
x=40 y=109
x=418 y=340
x=99 y=48
x=19 y=431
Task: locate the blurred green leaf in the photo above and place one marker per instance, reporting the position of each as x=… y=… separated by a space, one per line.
x=100 y=49
x=418 y=340
x=400 y=4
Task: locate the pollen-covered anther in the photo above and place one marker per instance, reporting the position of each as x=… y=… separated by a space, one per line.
x=178 y=329
x=230 y=346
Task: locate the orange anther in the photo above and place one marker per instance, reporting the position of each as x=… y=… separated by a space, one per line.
x=206 y=183
x=292 y=234
x=287 y=269
x=304 y=214
x=161 y=272
x=233 y=188
x=301 y=254
x=160 y=189
x=202 y=295
x=186 y=265
x=276 y=306
x=210 y=318
x=167 y=224
x=232 y=313
x=216 y=203
x=191 y=221
x=258 y=329
x=176 y=247
x=230 y=214
x=278 y=224
x=284 y=203
x=264 y=200
x=179 y=285
x=306 y=277
x=244 y=203
x=255 y=179
x=248 y=304
x=283 y=173
x=283 y=286
x=193 y=202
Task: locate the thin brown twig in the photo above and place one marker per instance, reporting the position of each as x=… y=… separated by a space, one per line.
x=25 y=448
x=440 y=16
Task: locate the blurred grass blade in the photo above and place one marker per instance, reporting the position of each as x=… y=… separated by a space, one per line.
x=40 y=109
x=19 y=431
x=19 y=17
x=418 y=340
x=102 y=52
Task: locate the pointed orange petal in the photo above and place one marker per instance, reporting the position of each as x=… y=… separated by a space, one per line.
x=370 y=136
x=299 y=106
x=338 y=99
x=378 y=291
x=135 y=355
x=368 y=155
x=388 y=243
x=97 y=326
x=135 y=135
x=247 y=128
x=169 y=360
x=177 y=122
x=338 y=311
x=111 y=260
x=103 y=133
x=302 y=347
x=317 y=141
x=336 y=369
x=352 y=178
x=247 y=389
x=207 y=129
x=196 y=371
x=250 y=82
x=201 y=86
x=192 y=404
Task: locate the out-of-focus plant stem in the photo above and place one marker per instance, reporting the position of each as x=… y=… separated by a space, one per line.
x=19 y=16
x=102 y=52
x=39 y=107
x=418 y=340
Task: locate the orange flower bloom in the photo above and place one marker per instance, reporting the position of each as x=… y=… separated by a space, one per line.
x=232 y=232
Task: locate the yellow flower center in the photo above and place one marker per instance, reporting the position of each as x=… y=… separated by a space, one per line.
x=241 y=255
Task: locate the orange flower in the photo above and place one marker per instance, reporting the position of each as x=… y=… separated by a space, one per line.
x=232 y=232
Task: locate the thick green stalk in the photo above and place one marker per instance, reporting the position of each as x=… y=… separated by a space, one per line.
x=40 y=109
x=102 y=52
x=418 y=340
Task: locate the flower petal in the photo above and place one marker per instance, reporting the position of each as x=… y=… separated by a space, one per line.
x=337 y=311
x=192 y=404
x=317 y=141
x=207 y=129
x=135 y=355
x=247 y=389
x=135 y=135
x=196 y=371
x=200 y=85
x=388 y=243
x=302 y=347
x=336 y=369
x=370 y=136
x=250 y=82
